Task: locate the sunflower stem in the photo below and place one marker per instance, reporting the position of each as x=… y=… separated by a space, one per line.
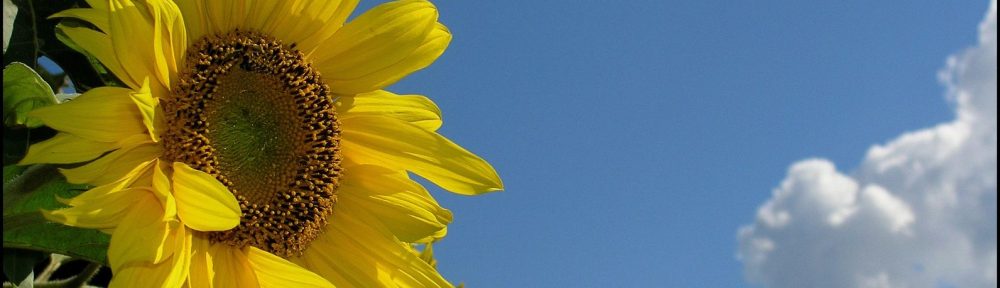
x=85 y=276
x=55 y=261
x=80 y=280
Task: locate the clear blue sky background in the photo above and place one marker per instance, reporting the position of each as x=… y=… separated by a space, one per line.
x=635 y=137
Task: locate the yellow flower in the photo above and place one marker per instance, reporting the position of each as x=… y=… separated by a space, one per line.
x=252 y=144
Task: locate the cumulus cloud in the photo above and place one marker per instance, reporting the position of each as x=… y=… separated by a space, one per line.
x=920 y=211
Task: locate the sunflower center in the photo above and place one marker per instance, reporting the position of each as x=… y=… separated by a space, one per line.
x=253 y=113
x=254 y=129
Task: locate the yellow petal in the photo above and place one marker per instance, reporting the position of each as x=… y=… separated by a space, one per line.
x=376 y=258
x=104 y=210
x=195 y=19
x=119 y=185
x=98 y=44
x=232 y=268
x=203 y=203
x=141 y=236
x=225 y=16
x=261 y=14
x=394 y=143
x=273 y=271
x=305 y=23
x=152 y=114
x=378 y=48
x=66 y=148
x=170 y=273
x=430 y=49
x=98 y=4
x=129 y=28
x=270 y=16
x=393 y=29
x=104 y=114
x=402 y=205
x=428 y=254
x=162 y=190
x=169 y=38
x=114 y=165
x=144 y=39
x=317 y=22
x=93 y=16
x=415 y=109
x=202 y=269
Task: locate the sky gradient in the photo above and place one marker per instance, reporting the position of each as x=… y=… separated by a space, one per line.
x=635 y=139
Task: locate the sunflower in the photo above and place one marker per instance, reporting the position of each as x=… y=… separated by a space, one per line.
x=251 y=143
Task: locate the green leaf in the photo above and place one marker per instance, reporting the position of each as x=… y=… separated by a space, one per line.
x=10 y=172
x=23 y=91
x=19 y=265
x=29 y=190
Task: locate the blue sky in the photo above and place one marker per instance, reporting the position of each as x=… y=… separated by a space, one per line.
x=635 y=138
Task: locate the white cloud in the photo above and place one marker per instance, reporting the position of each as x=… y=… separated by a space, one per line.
x=921 y=211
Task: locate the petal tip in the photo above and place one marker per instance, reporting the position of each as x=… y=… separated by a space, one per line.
x=203 y=203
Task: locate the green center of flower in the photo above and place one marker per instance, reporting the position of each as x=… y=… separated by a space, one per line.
x=253 y=113
x=254 y=129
